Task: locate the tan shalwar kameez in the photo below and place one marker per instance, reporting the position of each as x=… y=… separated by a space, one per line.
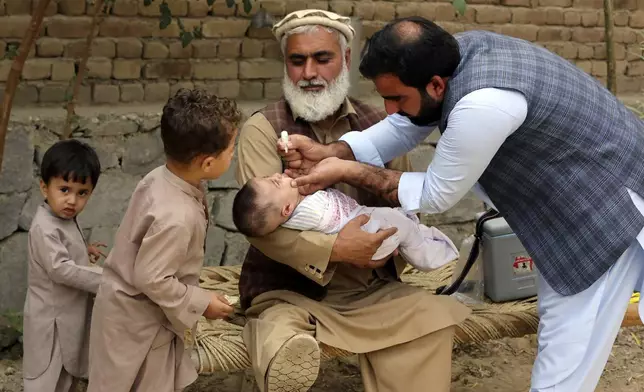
x=149 y=294
x=403 y=334
x=58 y=303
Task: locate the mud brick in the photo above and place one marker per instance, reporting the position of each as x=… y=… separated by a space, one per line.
x=155 y=50
x=69 y=27
x=215 y=70
x=225 y=28
x=126 y=69
x=50 y=47
x=106 y=93
x=157 y=92
x=132 y=92
x=129 y=48
x=261 y=69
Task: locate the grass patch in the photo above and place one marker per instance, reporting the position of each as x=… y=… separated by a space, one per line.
x=13 y=319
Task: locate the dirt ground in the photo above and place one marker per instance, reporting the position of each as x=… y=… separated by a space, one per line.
x=502 y=365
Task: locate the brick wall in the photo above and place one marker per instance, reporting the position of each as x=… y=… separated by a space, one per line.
x=133 y=60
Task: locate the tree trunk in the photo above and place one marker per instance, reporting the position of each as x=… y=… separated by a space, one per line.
x=16 y=70
x=610 y=47
x=82 y=69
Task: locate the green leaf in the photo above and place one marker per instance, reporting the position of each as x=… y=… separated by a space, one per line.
x=14 y=319
x=164 y=8
x=197 y=32
x=460 y=6
x=147 y=3
x=12 y=50
x=186 y=38
x=210 y=2
x=166 y=15
x=248 y=6
x=108 y=7
x=230 y=3
x=164 y=23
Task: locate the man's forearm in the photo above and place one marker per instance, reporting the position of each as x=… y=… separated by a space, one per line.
x=379 y=181
x=341 y=150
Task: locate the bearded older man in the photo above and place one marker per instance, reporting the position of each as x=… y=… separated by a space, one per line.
x=301 y=288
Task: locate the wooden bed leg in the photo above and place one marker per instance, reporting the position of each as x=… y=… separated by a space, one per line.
x=632 y=317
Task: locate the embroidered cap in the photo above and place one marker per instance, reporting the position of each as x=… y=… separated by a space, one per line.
x=314 y=17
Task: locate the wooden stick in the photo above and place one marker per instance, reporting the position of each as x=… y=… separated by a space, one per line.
x=610 y=47
x=82 y=69
x=16 y=70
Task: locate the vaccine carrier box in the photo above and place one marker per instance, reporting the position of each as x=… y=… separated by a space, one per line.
x=508 y=271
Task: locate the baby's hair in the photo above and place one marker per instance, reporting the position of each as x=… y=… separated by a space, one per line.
x=71 y=160
x=249 y=215
x=196 y=123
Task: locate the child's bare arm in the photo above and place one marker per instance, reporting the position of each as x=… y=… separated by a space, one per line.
x=49 y=251
x=161 y=254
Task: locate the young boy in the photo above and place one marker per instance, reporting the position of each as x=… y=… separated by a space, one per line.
x=61 y=279
x=263 y=204
x=150 y=292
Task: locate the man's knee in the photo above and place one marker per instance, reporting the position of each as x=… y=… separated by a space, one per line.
x=265 y=334
x=286 y=313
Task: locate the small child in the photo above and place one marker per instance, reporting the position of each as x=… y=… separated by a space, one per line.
x=150 y=292
x=61 y=279
x=263 y=204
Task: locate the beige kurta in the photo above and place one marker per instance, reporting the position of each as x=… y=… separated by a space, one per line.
x=365 y=310
x=55 y=378
x=149 y=294
x=58 y=303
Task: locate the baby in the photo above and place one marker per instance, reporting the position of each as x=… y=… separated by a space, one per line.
x=264 y=204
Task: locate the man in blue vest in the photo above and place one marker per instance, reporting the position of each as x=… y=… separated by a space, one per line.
x=536 y=138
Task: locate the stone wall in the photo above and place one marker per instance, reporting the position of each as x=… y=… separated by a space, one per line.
x=128 y=146
x=133 y=60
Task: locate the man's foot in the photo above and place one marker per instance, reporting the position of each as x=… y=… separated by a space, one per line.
x=295 y=367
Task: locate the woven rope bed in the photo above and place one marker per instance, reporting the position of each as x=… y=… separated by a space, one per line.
x=218 y=345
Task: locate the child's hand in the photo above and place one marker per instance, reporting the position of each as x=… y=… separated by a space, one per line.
x=94 y=253
x=218 y=308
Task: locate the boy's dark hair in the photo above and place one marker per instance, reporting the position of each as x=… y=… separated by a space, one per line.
x=249 y=216
x=72 y=160
x=414 y=49
x=195 y=123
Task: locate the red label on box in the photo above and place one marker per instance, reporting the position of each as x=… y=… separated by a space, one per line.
x=523 y=265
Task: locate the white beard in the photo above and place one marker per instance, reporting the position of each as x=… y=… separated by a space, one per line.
x=314 y=106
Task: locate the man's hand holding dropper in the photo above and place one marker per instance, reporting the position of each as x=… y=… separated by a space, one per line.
x=314 y=166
